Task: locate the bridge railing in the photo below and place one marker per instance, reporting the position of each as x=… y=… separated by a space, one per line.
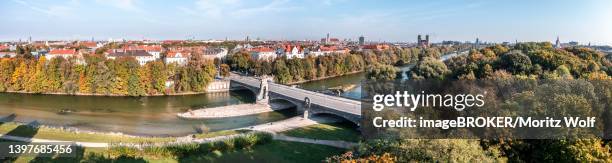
x=332 y=102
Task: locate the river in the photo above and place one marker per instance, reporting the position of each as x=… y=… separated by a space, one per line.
x=355 y=79
x=352 y=79
x=154 y=116
x=145 y=116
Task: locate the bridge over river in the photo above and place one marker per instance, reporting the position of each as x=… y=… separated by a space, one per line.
x=312 y=103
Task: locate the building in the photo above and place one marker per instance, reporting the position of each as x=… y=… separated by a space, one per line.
x=423 y=43
x=64 y=53
x=330 y=41
x=7 y=54
x=4 y=47
x=361 y=40
x=262 y=53
x=214 y=53
x=178 y=57
x=154 y=50
x=140 y=55
x=573 y=43
x=326 y=50
x=379 y=47
x=293 y=51
x=558 y=43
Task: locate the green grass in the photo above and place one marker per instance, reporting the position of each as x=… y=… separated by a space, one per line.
x=14 y=129
x=332 y=131
x=275 y=151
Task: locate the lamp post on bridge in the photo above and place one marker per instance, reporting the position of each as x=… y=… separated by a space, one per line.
x=306 y=107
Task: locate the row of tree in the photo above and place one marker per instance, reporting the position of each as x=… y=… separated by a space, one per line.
x=311 y=68
x=123 y=76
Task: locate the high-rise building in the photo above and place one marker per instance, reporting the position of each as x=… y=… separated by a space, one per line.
x=557 y=43
x=361 y=40
x=421 y=42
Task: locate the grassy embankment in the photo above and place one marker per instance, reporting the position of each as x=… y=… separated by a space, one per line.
x=15 y=129
x=333 y=131
x=254 y=147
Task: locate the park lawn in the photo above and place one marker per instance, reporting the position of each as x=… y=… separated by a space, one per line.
x=331 y=131
x=14 y=129
x=275 y=151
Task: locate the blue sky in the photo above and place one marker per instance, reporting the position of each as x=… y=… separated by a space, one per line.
x=490 y=20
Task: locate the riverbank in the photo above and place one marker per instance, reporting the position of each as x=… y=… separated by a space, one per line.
x=219 y=86
x=26 y=132
x=233 y=110
x=323 y=78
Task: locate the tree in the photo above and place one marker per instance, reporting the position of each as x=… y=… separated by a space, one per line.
x=18 y=76
x=310 y=72
x=516 y=62
x=431 y=150
x=225 y=70
x=381 y=72
x=53 y=74
x=281 y=72
x=103 y=79
x=6 y=72
x=240 y=61
x=430 y=68
x=158 y=76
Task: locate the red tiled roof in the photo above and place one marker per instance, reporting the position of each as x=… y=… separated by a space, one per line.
x=173 y=54
x=262 y=49
x=89 y=44
x=151 y=47
x=62 y=51
x=328 y=48
x=376 y=46
x=148 y=48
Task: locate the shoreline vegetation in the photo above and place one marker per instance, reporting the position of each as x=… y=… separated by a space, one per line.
x=111 y=95
x=75 y=134
x=312 y=68
x=98 y=75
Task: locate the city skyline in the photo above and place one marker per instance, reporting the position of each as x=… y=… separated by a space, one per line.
x=490 y=21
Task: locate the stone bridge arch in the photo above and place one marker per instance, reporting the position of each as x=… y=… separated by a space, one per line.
x=239 y=86
x=317 y=111
x=298 y=104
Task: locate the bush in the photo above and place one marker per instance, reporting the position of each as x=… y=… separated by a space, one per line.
x=241 y=142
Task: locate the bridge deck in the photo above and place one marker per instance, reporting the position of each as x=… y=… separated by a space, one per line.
x=331 y=102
